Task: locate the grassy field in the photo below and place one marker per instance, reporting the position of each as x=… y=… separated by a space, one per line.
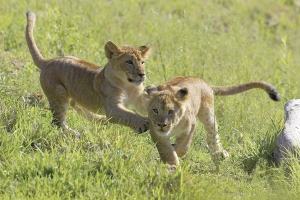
x=221 y=41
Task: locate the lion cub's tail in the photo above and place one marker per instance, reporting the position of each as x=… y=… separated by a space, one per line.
x=34 y=51
x=235 y=89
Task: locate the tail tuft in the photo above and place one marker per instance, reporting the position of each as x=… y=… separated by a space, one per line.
x=274 y=95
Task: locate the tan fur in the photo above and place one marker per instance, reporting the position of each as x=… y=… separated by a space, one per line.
x=174 y=108
x=90 y=88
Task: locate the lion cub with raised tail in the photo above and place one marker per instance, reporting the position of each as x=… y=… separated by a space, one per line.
x=174 y=108
x=90 y=88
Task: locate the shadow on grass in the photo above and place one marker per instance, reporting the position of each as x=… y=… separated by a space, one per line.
x=262 y=150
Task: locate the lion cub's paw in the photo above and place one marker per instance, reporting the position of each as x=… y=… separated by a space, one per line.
x=172 y=168
x=72 y=132
x=141 y=125
x=225 y=154
x=220 y=155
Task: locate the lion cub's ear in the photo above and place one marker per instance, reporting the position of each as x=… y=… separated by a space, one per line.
x=151 y=89
x=182 y=94
x=145 y=51
x=111 y=49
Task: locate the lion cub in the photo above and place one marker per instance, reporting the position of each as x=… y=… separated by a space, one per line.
x=89 y=88
x=174 y=108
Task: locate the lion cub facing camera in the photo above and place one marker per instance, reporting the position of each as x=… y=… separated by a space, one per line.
x=89 y=88
x=174 y=108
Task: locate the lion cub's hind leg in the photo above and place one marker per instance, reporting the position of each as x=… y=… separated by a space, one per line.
x=59 y=102
x=207 y=117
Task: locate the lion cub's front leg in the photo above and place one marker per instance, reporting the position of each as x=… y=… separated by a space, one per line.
x=184 y=142
x=119 y=114
x=165 y=149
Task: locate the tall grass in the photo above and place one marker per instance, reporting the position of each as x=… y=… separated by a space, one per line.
x=223 y=42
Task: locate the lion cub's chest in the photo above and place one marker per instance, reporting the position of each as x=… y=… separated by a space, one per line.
x=185 y=124
x=133 y=97
x=127 y=99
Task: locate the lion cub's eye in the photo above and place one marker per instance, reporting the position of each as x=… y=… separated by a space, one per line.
x=155 y=110
x=170 y=112
x=143 y=62
x=129 y=62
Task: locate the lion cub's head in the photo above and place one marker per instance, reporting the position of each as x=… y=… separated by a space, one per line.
x=128 y=63
x=166 y=108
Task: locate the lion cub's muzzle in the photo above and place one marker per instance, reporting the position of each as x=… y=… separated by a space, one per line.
x=137 y=79
x=162 y=128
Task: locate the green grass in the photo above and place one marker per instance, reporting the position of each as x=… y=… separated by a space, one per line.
x=221 y=41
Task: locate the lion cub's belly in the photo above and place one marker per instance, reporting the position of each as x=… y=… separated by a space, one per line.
x=90 y=102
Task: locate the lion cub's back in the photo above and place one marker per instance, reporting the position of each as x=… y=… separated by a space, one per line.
x=76 y=76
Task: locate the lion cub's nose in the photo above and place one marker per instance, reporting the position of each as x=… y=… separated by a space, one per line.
x=162 y=125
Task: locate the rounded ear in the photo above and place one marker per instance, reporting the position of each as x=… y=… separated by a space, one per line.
x=111 y=49
x=145 y=51
x=182 y=93
x=151 y=89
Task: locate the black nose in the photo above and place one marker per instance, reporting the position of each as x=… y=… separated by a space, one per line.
x=142 y=75
x=162 y=125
